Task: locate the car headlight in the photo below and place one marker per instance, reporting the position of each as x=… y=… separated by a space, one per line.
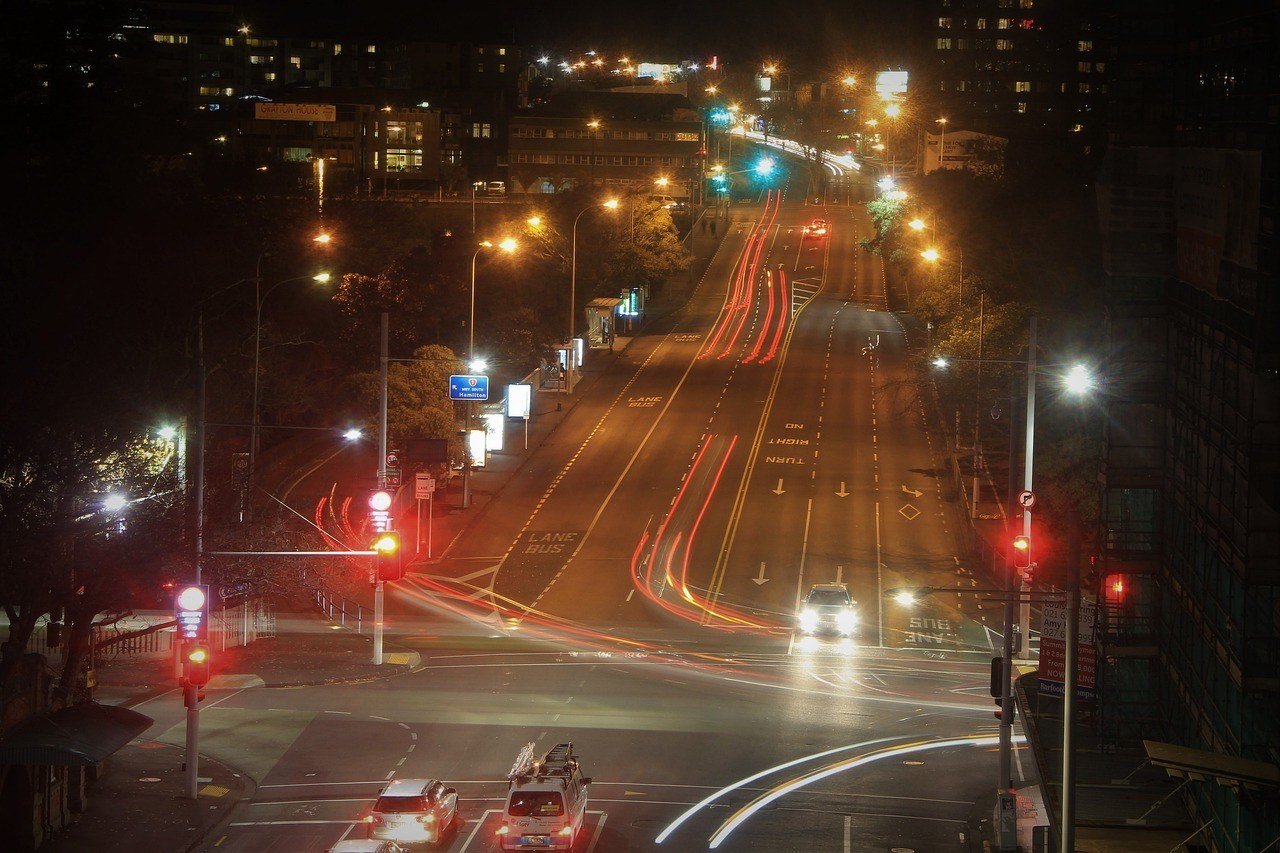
x=808 y=619
x=846 y=621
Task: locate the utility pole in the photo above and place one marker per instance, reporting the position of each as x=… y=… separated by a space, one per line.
x=191 y=693
x=1024 y=607
x=977 y=405
x=1067 y=826
x=378 y=584
x=1005 y=817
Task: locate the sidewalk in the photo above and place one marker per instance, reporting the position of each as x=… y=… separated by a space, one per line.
x=308 y=650
x=138 y=804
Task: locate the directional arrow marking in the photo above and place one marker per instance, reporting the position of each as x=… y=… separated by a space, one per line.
x=760 y=578
x=778 y=490
x=912 y=492
x=843 y=493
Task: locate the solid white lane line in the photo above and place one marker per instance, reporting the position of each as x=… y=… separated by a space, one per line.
x=466 y=845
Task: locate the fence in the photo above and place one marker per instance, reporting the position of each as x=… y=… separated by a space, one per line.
x=340 y=609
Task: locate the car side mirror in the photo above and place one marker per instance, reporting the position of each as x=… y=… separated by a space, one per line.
x=586 y=780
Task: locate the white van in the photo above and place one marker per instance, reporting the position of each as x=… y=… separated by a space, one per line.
x=546 y=801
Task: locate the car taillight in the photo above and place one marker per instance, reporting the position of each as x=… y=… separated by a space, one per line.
x=504 y=829
x=567 y=831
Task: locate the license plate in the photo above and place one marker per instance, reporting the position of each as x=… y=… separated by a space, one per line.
x=536 y=841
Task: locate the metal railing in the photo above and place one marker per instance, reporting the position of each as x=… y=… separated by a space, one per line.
x=340 y=609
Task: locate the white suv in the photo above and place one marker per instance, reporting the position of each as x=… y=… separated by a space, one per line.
x=828 y=608
x=414 y=811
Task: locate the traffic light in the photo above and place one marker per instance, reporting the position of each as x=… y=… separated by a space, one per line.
x=1022 y=552
x=191 y=609
x=1115 y=589
x=380 y=509
x=389 y=560
x=197 y=665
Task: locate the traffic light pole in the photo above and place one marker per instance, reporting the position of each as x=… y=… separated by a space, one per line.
x=1024 y=610
x=379 y=586
x=1005 y=816
x=190 y=695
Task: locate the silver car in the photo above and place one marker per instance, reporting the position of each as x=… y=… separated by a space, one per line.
x=828 y=609
x=414 y=811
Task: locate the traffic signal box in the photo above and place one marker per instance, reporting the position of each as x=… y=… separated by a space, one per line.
x=389 y=559
x=1022 y=553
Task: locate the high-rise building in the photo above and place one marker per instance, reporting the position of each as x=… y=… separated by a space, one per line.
x=1190 y=528
x=1019 y=69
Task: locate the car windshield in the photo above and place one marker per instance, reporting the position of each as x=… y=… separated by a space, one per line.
x=828 y=598
x=535 y=804
x=395 y=805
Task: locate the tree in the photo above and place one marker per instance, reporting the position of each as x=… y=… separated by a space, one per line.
x=418 y=404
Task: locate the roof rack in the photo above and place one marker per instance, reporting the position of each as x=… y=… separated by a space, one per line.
x=559 y=762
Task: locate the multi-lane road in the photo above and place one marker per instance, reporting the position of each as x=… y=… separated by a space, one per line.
x=634 y=588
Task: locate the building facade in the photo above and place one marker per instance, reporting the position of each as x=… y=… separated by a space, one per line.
x=1191 y=470
x=1020 y=69
x=621 y=141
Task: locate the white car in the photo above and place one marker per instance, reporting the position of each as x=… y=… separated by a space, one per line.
x=414 y=811
x=828 y=609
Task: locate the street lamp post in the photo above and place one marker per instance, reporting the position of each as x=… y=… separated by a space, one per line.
x=508 y=246
x=260 y=299
x=608 y=204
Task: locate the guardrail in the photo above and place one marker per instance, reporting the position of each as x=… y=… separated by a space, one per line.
x=339 y=609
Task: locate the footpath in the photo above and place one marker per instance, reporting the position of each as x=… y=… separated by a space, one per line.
x=138 y=802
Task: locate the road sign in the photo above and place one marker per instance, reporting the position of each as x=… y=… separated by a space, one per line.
x=424 y=485
x=1026 y=499
x=468 y=387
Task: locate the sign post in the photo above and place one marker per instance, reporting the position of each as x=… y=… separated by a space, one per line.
x=424 y=488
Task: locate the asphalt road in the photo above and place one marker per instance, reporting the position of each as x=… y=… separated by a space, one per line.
x=634 y=589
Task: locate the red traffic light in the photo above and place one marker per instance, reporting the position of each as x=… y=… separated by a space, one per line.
x=1022 y=552
x=1115 y=588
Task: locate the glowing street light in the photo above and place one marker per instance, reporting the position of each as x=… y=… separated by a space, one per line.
x=324 y=238
x=906 y=598
x=508 y=245
x=886 y=183
x=477 y=365
x=353 y=434
x=941 y=362
x=662 y=181
x=1079 y=380
x=611 y=204
x=872 y=122
x=930 y=255
x=534 y=221
x=893 y=110
x=916 y=224
x=594 y=124
x=770 y=70
x=167 y=433
x=321 y=278
x=765 y=166
x=850 y=81
x=711 y=90
x=114 y=502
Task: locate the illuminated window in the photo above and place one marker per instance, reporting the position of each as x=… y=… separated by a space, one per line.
x=269 y=76
x=373 y=48
x=1022 y=106
x=1026 y=4
x=337 y=50
x=261 y=42
x=1004 y=44
x=261 y=59
x=502 y=51
x=168 y=38
x=1083 y=67
x=295 y=61
x=1004 y=24
x=1084 y=45
x=404 y=159
x=1022 y=86
x=1085 y=88
x=480 y=130
x=982 y=23
x=404 y=133
x=944 y=23
x=502 y=68
x=228 y=42
x=1076 y=128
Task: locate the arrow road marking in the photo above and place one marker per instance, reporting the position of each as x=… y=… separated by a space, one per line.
x=912 y=492
x=760 y=578
x=778 y=490
x=843 y=493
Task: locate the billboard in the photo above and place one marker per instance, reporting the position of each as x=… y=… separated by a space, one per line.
x=519 y=400
x=295 y=112
x=891 y=84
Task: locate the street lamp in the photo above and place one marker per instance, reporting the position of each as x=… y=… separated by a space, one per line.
x=509 y=246
x=764 y=166
x=662 y=182
x=607 y=204
x=850 y=81
x=534 y=221
x=167 y=433
x=259 y=300
x=1079 y=380
x=931 y=255
x=114 y=502
x=353 y=434
x=916 y=224
x=324 y=238
x=893 y=110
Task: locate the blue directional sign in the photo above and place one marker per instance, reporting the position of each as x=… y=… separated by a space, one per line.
x=468 y=387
